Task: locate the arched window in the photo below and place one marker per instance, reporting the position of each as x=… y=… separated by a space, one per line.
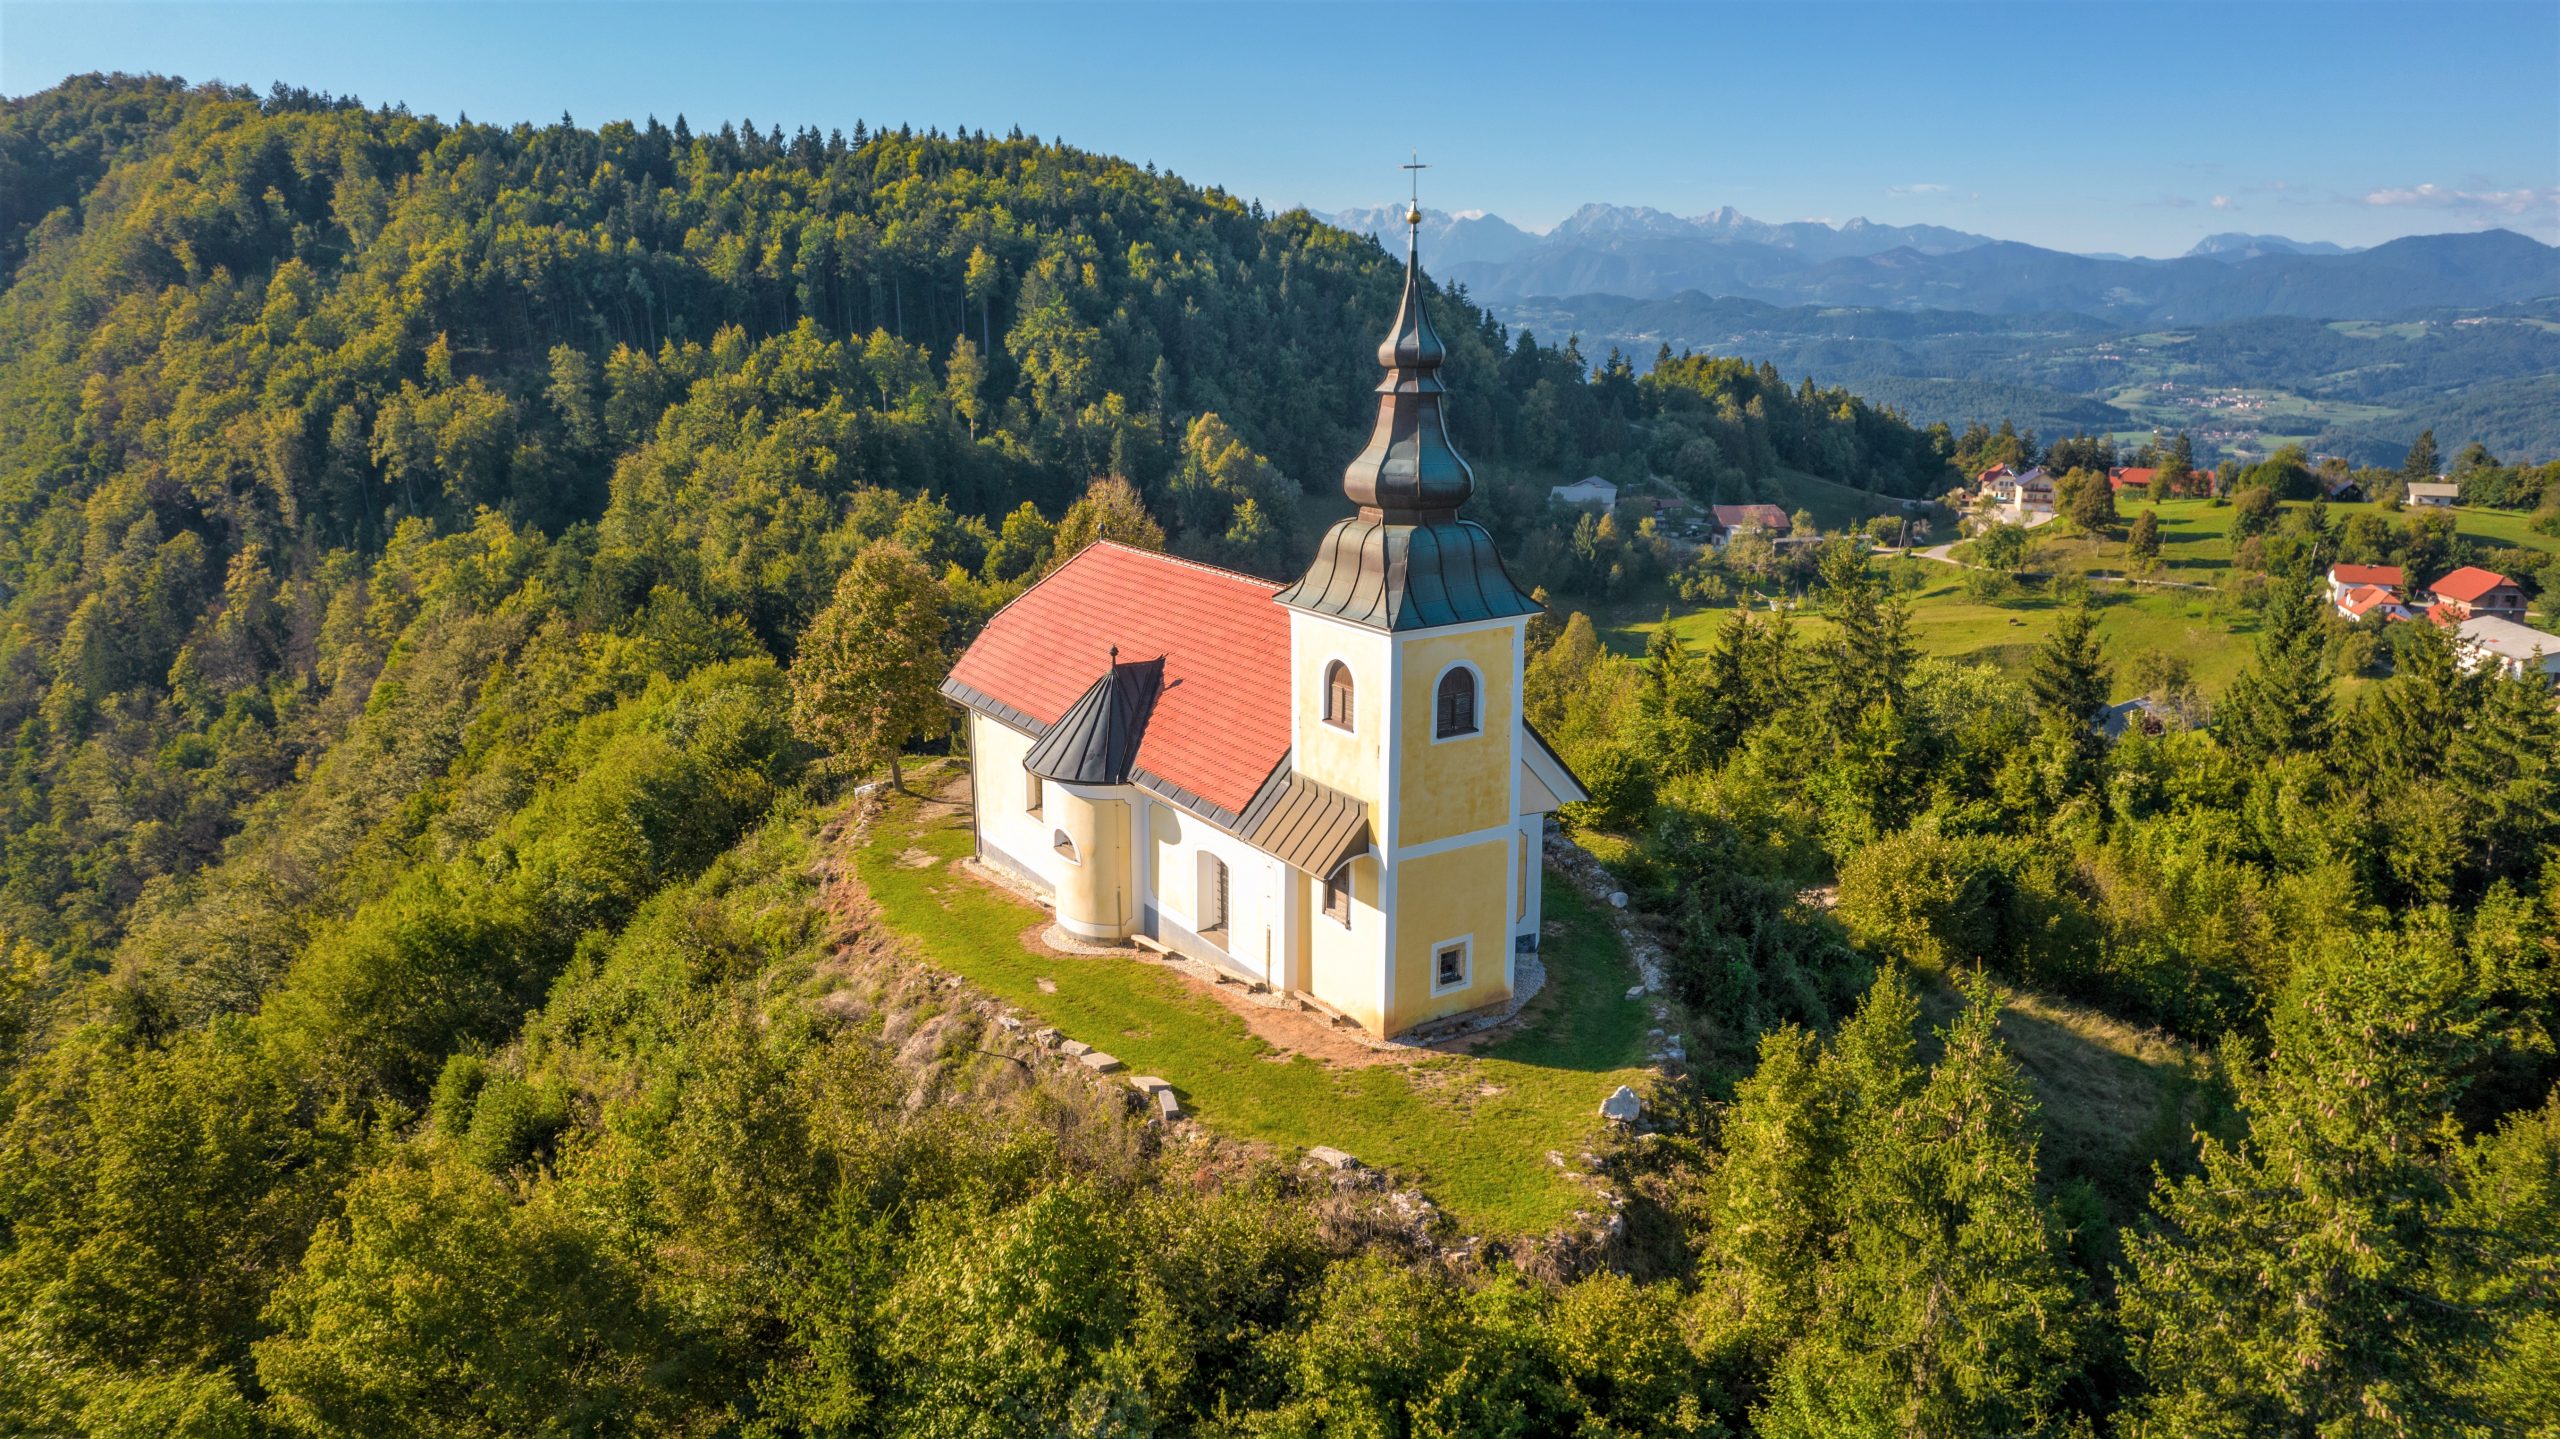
x=1065 y=846
x=1456 y=709
x=1337 y=695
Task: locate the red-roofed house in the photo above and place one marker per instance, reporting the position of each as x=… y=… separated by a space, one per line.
x=2131 y=477
x=1733 y=520
x=1327 y=787
x=2343 y=578
x=2373 y=602
x=2472 y=592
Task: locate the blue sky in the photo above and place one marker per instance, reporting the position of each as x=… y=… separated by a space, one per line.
x=2087 y=126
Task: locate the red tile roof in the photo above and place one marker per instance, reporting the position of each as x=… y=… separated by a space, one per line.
x=2468 y=584
x=2131 y=475
x=1221 y=721
x=1767 y=517
x=2361 y=600
x=2353 y=575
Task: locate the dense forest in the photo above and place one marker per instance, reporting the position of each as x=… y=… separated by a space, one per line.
x=409 y=863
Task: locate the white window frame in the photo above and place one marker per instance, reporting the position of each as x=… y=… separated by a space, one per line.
x=1465 y=945
x=1065 y=846
x=1442 y=678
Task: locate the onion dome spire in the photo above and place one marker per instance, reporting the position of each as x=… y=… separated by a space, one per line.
x=1406 y=561
x=1411 y=471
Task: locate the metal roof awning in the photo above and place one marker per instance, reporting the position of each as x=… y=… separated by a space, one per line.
x=1307 y=826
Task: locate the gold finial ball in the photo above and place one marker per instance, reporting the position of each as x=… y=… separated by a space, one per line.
x=1413 y=217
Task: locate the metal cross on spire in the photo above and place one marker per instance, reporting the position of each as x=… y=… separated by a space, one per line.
x=1413 y=211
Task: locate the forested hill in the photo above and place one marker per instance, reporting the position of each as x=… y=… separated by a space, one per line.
x=434 y=998
x=246 y=341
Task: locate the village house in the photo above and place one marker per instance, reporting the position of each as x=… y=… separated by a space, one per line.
x=1736 y=520
x=2028 y=492
x=2364 y=577
x=2515 y=651
x=2472 y=592
x=2131 y=477
x=1591 y=491
x=1989 y=481
x=1325 y=787
x=2366 y=602
x=2429 y=495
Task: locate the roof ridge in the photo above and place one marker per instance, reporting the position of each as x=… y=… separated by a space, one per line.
x=1169 y=557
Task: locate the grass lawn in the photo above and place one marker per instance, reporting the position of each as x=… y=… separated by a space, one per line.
x=1945 y=621
x=1472 y=1130
x=2195 y=548
x=1835 y=506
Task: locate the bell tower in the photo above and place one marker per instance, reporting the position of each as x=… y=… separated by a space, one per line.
x=1406 y=639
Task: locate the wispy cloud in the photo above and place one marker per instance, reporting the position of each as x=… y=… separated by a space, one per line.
x=1899 y=190
x=2438 y=197
x=2222 y=202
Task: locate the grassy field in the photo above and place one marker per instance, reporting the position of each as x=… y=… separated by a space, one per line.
x=1473 y=1131
x=2214 y=636
x=1945 y=621
x=2112 y=1098
x=1835 y=506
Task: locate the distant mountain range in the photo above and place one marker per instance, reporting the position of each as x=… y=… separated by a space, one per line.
x=1645 y=253
x=2232 y=245
x=2246 y=340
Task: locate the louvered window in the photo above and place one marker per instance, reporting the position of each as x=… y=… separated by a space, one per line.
x=1457 y=703
x=1337 y=695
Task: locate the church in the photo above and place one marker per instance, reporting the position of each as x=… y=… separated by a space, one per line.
x=1325 y=787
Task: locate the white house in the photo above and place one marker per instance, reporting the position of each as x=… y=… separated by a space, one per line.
x=2435 y=496
x=2518 y=651
x=1590 y=490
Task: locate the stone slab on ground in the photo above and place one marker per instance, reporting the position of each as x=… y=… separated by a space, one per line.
x=1332 y=1158
x=1148 y=1084
x=1166 y=1105
x=1076 y=1047
x=1097 y=1061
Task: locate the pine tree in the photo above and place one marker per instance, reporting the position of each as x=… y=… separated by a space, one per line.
x=1939 y=1302
x=2068 y=682
x=2280 y=706
x=2423 y=463
x=2177 y=465
x=2504 y=764
x=2290 y=1287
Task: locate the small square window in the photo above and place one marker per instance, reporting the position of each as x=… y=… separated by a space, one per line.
x=1449 y=967
x=1337 y=896
x=1031 y=794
